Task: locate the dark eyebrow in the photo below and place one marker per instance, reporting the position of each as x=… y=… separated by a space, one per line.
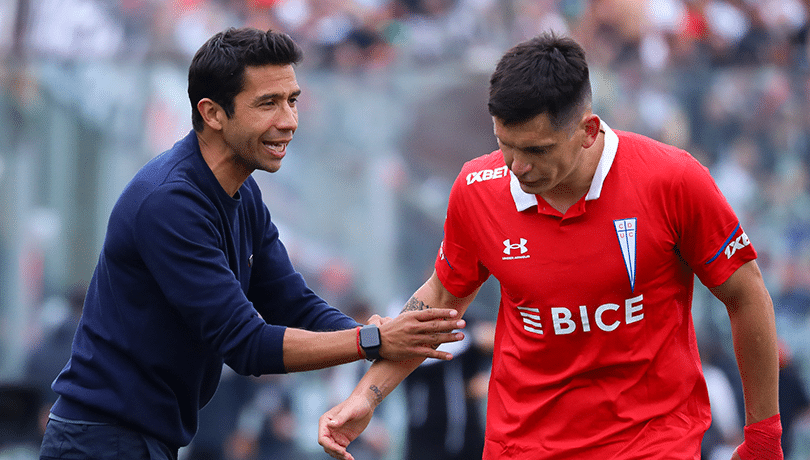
x=536 y=148
x=530 y=148
x=270 y=97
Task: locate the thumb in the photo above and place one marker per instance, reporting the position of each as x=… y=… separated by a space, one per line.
x=337 y=419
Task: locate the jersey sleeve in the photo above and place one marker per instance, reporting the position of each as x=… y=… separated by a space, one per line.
x=712 y=240
x=457 y=264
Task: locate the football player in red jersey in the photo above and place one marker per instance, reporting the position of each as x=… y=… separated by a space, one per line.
x=596 y=236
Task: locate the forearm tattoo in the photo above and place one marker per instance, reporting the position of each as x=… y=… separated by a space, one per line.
x=414 y=304
x=378 y=395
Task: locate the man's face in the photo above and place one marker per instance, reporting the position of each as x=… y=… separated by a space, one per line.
x=542 y=157
x=265 y=118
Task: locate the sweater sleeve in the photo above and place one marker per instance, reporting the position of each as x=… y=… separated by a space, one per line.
x=179 y=236
x=280 y=293
x=282 y=296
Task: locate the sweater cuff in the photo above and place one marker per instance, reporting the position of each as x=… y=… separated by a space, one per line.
x=272 y=354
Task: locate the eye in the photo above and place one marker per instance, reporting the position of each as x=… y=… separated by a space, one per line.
x=536 y=150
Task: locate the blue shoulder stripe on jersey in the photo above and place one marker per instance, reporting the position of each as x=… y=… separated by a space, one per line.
x=448 y=264
x=723 y=247
x=441 y=252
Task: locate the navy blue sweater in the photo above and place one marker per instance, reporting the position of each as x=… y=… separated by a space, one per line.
x=188 y=278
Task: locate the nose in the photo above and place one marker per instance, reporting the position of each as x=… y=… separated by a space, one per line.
x=519 y=165
x=287 y=119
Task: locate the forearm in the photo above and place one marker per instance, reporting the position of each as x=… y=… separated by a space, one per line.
x=343 y=423
x=755 y=346
x=385 y=375
x=425 y=322
x=307 y=350
x=382 y=378
x=753 y=329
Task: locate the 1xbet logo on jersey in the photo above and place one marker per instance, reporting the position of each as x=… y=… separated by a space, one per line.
x=732 y=245
x=487 y=174
x=739 y=243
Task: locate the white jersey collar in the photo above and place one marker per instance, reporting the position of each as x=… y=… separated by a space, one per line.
x=524 y=201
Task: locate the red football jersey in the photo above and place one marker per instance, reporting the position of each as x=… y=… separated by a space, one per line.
x=595 y=350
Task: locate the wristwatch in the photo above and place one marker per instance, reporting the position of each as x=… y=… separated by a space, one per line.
x=370 y=341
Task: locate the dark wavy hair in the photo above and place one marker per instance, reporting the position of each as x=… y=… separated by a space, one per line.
x=217 y=70
x=545 y=75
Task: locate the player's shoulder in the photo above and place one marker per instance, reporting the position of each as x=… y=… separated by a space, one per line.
x=648 y=156
x=647 y=148
x=484 y=168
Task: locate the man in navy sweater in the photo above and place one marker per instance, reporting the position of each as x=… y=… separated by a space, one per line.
x=192 y=274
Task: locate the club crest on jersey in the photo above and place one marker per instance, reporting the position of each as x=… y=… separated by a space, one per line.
x=515 y=249
x=626 y=232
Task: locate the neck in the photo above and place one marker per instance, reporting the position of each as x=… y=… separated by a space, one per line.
x=216 y=155
x=564 y=195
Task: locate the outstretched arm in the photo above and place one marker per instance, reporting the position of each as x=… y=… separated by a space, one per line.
x=753 y=329
x=408 y=336
x=343 y=423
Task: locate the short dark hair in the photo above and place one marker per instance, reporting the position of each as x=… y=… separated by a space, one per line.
x=217 y=70
x=545 y=75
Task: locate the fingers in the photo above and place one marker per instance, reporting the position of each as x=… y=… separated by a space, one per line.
x=336 y=451
x=429 y=350
x=433 y=352
x=328 y=439
x=433 y=313
x=441 y=331
x=438 y=320
x=376 y=320
x=428 y=321
x=417 y=334
x=332 y=448
x=438 y=339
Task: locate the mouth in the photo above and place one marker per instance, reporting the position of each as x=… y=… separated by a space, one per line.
x=532 y=183
x=277 y=148
x=533 y=186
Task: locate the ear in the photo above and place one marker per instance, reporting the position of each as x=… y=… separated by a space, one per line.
x=592 y=125
x=211 y=112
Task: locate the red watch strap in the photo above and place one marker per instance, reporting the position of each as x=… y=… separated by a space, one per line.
x=359 y=349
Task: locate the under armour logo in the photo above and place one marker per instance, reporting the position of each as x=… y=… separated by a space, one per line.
x=509 y=246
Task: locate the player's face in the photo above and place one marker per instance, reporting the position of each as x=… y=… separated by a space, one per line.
x=542 y=157
x=265 y=118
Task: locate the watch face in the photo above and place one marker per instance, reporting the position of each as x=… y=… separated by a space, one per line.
x=369 y=337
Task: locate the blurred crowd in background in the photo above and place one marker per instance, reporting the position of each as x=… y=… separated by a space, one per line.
x=394 y=101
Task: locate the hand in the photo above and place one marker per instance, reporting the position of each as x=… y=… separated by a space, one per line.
x=762 y=441
x=378 y=320
x=343 y=424
x=417 y=333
